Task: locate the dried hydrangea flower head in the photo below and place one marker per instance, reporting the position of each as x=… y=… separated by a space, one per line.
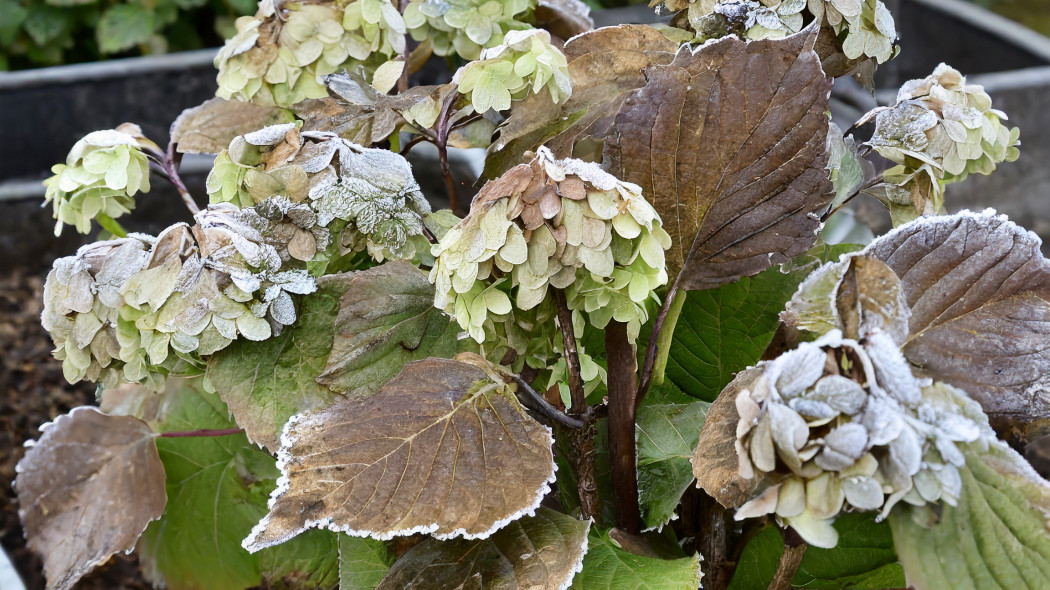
x=940 y=130
x=278 y=55
x=525 y=62
x=565 y=224
x=137 y=309
x=102 y=174
x=838 y=425
x=747 y=19
x=367 y=197
x=464 y=27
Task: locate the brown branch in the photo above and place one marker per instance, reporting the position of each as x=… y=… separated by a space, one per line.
x=442 y=145
x=654 y=338
x=571 y=354
x=622 y=448
x=170 y=164
x=794 y=549
x=205 y=432
x=713 y=542
x=536 y=403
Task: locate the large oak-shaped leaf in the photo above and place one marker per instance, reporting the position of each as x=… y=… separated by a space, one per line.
x=979 y=291
x=265 y=383
x=386 y=318
x=442 y=448
x=208 y=128
x=540 y=552
x=87 y=489
x=727 y=142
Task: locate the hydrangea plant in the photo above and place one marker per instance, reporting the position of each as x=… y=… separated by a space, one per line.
x=628 y=359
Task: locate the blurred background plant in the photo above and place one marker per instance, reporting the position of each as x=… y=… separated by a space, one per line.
x=36 y=33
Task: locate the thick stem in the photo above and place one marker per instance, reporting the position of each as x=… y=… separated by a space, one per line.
x=714 y=543
x=622 y=449
x=221 y=432
x=169 y=166
x=536 y=403
x=442 y=145
x=794 y=549
x=655 y=340
x=583 y=439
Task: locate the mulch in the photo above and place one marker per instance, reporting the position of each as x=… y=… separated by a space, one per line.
x=35 y=392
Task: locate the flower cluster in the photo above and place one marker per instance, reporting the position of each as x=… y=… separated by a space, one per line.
x=565 y=224
x=101 y=176
x=464 y=27
x=278 y=56
x=748 y=19
x=940 y=130
x=525 y=62
x=139 y=308
x=838 y=424
x=367 y=197
x=868 y=25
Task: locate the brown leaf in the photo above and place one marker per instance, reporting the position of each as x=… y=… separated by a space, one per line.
x=869 y=297
x=210 y=127
x=351 y=122
x=728 y=143
x=979 y=291
x=715 y=462
x=541 y=552
x=442 y=448
x=87 y=490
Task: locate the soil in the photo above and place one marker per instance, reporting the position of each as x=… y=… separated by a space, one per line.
x=34 y=392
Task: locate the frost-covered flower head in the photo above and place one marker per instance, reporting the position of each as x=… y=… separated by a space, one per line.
x=940 y=130
x=565 y=224
x=746 y=18
x=840 y=424
x=525 y=62
x=102 y=174
x=464 y=27
x=278 y=55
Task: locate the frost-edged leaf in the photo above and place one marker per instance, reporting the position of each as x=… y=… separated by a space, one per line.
x=217 y=488
x=667 y=433
x=362 y=563
x=979 y=292
x=727 y=142
x=386 y=319
x=539 y=552
x=607 y=566
x=996 y=538
x=87 y=489
x=209 y=127
x=715 y=463
x=123 y=26
x=724 y=330
x=441 y=448
x=265 y=383
x=869 y=297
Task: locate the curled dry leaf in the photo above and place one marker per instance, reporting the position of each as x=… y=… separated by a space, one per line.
x=443 y=448
x=87 y=489
x=210 y=127
x=540 y=552
x=715 y=462
x=727 y=141
x=564 y=18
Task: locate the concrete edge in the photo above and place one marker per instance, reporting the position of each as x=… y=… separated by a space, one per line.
x=985 y=19
x=114 y=68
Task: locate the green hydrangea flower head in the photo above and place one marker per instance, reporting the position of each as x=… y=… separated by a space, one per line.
x=525 y=62
x=827 y=441
x=102 y=174
x=278 y=56
x=565 y=224
x=941 y=130
x=375 y=27
x=465 y=27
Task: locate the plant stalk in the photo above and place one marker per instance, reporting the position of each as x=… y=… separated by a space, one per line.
x=622 y=448
x=170 y=164
x=794 y=549
x=583 y=439
x=536 y=403
x=658 y=339
x=442 y=146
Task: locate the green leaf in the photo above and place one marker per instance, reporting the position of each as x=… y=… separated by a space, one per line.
x=864 y=558
x=46 y=24
x=217 y=490
x=386 y=319
x=724 y=330
x=758 y=561
x=362 y=563
x=124 y=26
x=609 y=567
x=539 y=551
x=667 y=433
x=995 y=538
x=14 y=15
x=265 y=383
